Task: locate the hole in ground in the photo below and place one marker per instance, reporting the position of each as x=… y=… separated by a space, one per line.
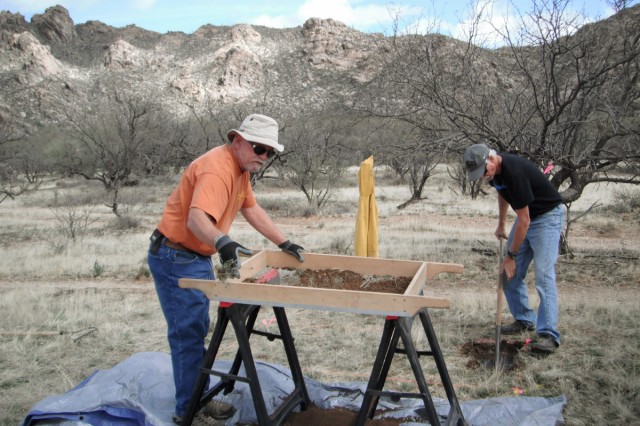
x=482 y=353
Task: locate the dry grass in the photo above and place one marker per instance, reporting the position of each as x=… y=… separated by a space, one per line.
x=49 y=284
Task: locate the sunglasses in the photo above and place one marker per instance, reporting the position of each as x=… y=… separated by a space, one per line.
x=261 y=149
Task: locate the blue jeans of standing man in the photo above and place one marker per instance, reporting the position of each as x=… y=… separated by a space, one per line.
x=186 y=312
x=541 y=245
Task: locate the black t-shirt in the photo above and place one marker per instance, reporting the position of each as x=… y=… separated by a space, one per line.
x=522 y=184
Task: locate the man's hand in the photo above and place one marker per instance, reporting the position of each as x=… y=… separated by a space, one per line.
x=508 y=267
x=228 y=251
x=292 y=249
x=500 y=233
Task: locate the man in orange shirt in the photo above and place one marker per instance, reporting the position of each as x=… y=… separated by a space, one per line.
x=194 y=225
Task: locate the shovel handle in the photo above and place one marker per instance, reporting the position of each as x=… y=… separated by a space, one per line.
x=499 y=291
x=499 y=307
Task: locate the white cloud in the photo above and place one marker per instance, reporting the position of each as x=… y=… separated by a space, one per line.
x=144 y=4
x=499 y=20
x=362 y=17
x=486 y=24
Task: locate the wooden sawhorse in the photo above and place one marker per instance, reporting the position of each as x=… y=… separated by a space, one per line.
x=396 y=328
x=400 y=311
x=243 y=317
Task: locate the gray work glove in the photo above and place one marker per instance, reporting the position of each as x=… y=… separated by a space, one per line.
x=228 y=251
x=292 y=249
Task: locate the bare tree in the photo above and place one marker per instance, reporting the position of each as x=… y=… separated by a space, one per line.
x=206 y=129
x=581 y=92
x=411 y=135
x=73 y=219
x=619 y=5
x=314 y=161
x=559 y=91
x=553 y=94
x=409 y=150
x=122 y=138
x=457 y=172
x=21 y=163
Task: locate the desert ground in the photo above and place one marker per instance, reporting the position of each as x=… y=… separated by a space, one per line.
x=72 y=305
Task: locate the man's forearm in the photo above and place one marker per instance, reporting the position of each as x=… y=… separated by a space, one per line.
x=261 y=222
x=202 y=226
x=503 y=206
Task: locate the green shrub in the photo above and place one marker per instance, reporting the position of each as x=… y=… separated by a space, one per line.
x=97 y=269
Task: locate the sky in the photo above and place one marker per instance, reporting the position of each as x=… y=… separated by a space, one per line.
x=372 y=16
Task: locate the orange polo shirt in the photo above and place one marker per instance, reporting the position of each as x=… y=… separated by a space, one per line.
x=213 y=183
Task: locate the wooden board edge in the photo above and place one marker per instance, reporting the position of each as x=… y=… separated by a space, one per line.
x=316 y=298
x=359 y=264
x=435 y=268
x=419 y=281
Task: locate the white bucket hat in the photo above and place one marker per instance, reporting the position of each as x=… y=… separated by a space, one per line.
x=259 y=129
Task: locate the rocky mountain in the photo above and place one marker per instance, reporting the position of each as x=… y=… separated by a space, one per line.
x=51 y=64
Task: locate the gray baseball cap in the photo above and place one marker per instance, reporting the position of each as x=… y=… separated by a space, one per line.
x=259 y=129
x=475 y=160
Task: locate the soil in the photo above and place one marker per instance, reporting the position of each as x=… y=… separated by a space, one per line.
x=337 y=279
x=316 y=416
x=482 y=353
x=348 y=280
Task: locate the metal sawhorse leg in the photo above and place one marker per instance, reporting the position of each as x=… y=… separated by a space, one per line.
x=396 y=328
x=243 y=318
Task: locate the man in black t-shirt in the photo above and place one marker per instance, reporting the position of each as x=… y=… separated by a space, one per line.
x=535 y=236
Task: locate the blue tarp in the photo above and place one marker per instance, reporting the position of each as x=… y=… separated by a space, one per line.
x=140 y=391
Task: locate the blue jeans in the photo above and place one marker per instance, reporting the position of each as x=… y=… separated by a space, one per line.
x=186 y=312
x=541 y=244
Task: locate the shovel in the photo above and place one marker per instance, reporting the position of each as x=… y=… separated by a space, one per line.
x=499 y=311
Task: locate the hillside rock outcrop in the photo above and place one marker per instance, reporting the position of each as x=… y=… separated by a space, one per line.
x=38 y=63
x=331 y=45
x=123 y=55
x=12 y=23
x=54 y=25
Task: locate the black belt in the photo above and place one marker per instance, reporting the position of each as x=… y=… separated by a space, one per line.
x=177 y=246
x=157 y=239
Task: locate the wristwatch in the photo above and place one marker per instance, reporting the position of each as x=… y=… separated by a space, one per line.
x=512 y=254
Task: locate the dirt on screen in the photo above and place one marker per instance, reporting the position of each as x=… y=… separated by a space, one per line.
x=344 y=280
